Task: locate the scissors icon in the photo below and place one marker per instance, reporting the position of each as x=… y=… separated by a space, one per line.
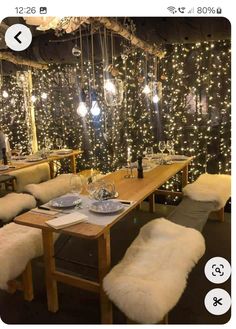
x=217 y=301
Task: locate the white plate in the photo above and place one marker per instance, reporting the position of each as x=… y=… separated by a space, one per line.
x=106 y=207
x=64 y=151
x=65 y=201
x=177 y=157
x=34 y=159
x=4 y=167
x=21 y=157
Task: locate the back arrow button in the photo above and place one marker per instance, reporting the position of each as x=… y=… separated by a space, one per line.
x=16 y=37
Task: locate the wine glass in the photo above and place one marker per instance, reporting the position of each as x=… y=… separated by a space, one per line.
x=18 y=150
x=76 y=184
x=149 y=153
x=162 y=147
x=170 y=147
x=47 y=143
x=90 y=183
x=59 y=142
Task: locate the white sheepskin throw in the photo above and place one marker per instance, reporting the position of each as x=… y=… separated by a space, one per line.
x=208 y=187
x=150 y=279
x=18 y=245
x=31 y=175
x=51 y=189
x=13 y=204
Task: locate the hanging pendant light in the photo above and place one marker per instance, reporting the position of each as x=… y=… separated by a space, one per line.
x=82 y=109
x=113 y=86
x=146 y=90
x=76 y=50
x=109 y=86
x=95 y=109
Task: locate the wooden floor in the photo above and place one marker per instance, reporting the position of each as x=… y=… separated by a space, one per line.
x=79 y=307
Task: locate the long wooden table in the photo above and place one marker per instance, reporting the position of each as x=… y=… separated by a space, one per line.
x=17 y=165
x=132 y=189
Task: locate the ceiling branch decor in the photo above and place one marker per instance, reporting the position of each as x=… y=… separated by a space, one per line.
x=71 y=24
x=67 y=24
x=118 y=28
x=7 y=56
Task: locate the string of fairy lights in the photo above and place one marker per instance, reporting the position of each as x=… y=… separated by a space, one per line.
x=191 y=106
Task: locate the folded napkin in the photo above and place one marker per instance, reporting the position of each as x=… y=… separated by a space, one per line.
x=67 y=220
x=43 y=211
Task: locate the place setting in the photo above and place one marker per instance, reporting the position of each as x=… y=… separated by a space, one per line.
x=100 y=205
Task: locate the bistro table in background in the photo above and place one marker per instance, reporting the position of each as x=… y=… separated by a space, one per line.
x=133 y=189
x=20 y=164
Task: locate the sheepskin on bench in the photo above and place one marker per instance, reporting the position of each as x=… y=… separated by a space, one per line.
x=208 y=187
x=13 y=204
x=18 y=245
x=150 y=279
x=51 y=189
x=34 y=174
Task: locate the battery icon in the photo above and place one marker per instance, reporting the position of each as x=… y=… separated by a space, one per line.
x=219 y=10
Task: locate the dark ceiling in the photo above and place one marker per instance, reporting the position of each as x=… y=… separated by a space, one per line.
x=48 y=47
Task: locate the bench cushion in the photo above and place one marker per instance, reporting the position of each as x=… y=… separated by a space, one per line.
x=31 y=175
x=13 y=204
x=210 y=188
x=150 y=279
x=51 y=189
x=18 y=245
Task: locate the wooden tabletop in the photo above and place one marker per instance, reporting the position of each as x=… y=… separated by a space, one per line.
x=128 y=188
x=24 y=164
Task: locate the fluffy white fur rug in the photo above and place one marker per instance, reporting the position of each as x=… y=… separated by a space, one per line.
x=208 y=187
x=51 y=189
x=34 y=174
x=151 y=277
x=13 y=204
x=18 y=245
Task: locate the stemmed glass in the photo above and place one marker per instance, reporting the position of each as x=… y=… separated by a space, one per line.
x=170 y=148
x=76 y=184
x=18 y=149
x=59 y=142
x=162 y=147
x=149 y=153
x=47 y=144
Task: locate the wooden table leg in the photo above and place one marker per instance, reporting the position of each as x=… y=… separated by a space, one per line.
x=185 y=176
x=104 y=264
x=27 y=282
x=73 y=164
x=51 y=165
x=49 y=263
x=151 y=200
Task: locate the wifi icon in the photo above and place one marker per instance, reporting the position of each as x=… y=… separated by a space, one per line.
x=172 y=10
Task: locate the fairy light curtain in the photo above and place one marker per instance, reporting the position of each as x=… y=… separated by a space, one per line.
x=193 y=110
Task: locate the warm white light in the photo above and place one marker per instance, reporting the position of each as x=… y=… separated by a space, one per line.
x=82 y=109
x=22 y=77
x=44 y=96
x=95 y=109
x=5 y=94
x=155 y=99
x=146 y=90
x=109 y=86
x=33 y=98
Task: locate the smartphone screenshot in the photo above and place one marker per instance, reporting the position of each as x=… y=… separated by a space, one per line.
x=115 y=165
